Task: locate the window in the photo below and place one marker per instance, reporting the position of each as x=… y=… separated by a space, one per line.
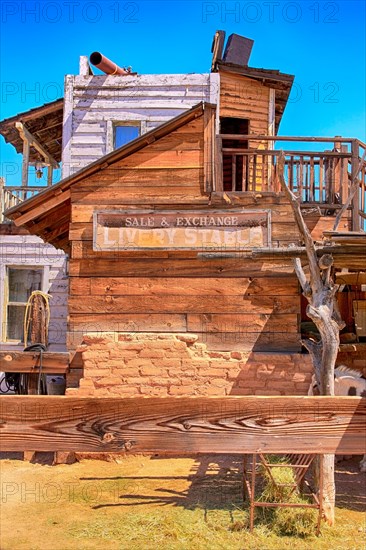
x=20 y=284
x=125 y=133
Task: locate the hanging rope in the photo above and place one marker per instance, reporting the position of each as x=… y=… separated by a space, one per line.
x=28 y=318
x=36 y=320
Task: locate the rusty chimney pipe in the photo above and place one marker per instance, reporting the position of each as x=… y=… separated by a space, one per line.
x=107 y=66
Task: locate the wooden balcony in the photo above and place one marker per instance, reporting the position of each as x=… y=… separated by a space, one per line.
x=320 y=171
x=11 y=195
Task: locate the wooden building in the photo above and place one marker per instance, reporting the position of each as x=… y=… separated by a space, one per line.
x=181 y=244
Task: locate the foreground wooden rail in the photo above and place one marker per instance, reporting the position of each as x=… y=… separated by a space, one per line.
x=53 y=362
x=232 y=425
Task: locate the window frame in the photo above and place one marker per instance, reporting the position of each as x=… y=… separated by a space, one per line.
x=44 y=269
x=112 y=124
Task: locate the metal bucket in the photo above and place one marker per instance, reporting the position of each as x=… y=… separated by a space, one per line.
x=56 y=385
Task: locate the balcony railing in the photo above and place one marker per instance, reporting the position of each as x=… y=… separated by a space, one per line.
x=12 y=195
x=249 y=164
x=322 y=178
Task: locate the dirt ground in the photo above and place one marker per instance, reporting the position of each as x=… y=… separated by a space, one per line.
x=141 y=502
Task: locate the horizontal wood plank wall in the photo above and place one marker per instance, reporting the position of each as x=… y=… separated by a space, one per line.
x=234 y=304
x=235 y=425
x=95 y=103
x=243 y=97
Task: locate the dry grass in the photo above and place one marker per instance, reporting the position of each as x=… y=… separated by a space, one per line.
x=176 y=504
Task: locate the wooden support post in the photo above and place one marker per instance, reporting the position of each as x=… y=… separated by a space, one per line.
x=49 y=175
x=354 y=174
x=25 y=165
x=252 y=498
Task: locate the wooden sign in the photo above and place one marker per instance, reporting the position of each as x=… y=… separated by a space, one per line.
x=183 y=230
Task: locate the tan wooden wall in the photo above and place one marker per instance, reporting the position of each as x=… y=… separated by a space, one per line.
x=231 y=304
x=243 y=97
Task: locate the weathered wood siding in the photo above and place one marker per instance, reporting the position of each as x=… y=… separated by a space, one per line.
x=243 y=97
x=32 y=252
x=231 y=304
x=93 y=104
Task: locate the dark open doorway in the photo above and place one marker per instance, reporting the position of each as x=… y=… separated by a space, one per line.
x=234 y=167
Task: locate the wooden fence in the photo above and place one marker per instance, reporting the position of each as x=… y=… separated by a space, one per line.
x=184 y=425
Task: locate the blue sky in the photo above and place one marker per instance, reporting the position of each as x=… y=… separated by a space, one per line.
x=322 y=43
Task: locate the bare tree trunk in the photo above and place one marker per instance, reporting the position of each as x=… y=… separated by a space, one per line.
x=322 y=308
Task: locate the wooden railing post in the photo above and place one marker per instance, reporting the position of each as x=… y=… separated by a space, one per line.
x=219 y=178
x=354 y=174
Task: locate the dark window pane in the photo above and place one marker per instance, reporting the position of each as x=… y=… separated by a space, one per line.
x=124 y=134
x=14 y=329
x=22 y=282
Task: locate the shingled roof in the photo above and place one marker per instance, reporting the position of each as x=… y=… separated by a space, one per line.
x=44 y=123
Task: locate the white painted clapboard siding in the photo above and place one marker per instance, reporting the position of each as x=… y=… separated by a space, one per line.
x=27 y=250
x=93 y=104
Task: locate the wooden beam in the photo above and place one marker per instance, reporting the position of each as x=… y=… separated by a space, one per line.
x=43 y=208
x=357 y=278
x=27 y=136
x=184 y=425
x=29 y=361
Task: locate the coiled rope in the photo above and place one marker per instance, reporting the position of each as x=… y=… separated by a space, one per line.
x=28 y=318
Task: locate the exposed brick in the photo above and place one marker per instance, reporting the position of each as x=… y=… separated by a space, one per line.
x=219 y=383
x=170 y=363
x=108 y=381
x=179 y=390
x=126 y=371
x=122 y=364
x=138 y=362
x=86 y=383
x=96 y=373
x=154 y=390
x=122 y=354
x=199 y=362
x=300 y=377
x=158 y=381
x=285 y=387
x=159 y=344
x=151 y=353
x=88 y=363
x=267 y=392
x=219 y=354
x=302 y=388
x=265 y=371
x=190 y=373
x=96 y=355
x=211 y=390
x=212 y=372
x=116 y=364
x=188 y=338
x=151 y=371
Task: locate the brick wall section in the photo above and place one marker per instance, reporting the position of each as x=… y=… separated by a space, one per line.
x=177 y=364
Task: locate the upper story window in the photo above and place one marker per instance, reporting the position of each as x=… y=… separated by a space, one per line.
x=124 y=133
